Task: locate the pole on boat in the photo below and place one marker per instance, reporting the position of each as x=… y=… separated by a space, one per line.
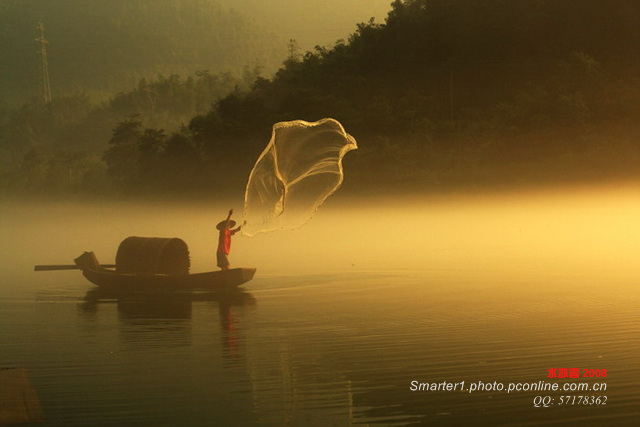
x=65 y=267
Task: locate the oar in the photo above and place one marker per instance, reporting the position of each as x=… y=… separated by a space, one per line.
x=66 y=267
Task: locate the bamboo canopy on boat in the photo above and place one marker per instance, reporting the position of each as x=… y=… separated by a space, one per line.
x=153 y=255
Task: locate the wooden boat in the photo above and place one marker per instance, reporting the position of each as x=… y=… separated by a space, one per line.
x=210 y=281
x=111 y=280
x=153 y=264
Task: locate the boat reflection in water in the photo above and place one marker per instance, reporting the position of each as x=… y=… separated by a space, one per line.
x=165 y=318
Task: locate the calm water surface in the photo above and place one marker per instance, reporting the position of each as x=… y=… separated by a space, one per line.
x=342 y=316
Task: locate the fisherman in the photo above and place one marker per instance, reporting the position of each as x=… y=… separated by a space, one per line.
x=224 y=240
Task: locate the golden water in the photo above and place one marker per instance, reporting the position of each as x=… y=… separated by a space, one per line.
x=342 y=315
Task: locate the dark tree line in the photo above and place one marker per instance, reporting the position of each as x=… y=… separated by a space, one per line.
x=449 y=91
x=58 y=148
x=444 y=93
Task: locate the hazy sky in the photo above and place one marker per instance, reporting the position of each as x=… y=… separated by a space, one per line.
x=312 y=22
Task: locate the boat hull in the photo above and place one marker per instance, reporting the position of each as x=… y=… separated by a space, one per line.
x=210 y=281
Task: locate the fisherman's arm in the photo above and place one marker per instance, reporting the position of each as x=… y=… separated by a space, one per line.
x=228 y=218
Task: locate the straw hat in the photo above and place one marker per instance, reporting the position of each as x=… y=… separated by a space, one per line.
x=222 y=224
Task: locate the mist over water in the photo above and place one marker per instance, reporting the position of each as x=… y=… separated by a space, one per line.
x=541 y=232
x=560 y=231
x=342 y=315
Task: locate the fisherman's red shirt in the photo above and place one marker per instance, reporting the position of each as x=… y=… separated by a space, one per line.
x=224 y=241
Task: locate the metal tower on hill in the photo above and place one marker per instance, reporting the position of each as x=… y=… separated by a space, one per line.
x=46 y=87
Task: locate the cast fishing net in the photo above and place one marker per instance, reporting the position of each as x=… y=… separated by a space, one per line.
x=300 y=167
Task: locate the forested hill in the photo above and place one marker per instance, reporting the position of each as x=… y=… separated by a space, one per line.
x=490 y=89
x=457 y=55
x=107 y=46
x=501 y=30
x=443 y=94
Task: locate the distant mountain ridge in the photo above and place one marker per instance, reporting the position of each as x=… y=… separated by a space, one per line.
x=107 y=46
